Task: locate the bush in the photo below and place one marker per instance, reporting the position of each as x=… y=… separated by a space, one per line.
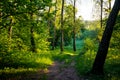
x=16 y=59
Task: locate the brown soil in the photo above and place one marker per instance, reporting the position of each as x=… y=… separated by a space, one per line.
x=62 y=71
x=57 y=71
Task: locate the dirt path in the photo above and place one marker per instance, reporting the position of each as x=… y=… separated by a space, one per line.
x=62 y=71
x=57 y=71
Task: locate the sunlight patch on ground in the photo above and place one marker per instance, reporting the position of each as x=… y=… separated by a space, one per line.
x=19 y=70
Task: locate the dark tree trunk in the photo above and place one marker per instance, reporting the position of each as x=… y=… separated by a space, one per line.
x=74 y=32
x=48 y=19
x=62 y=34
x=109 y=4
x=32 y=40
x=33 y=46
x=10 y=34
x=103 y=47
x=101 y=13
x=10 y=31
x=54 y=36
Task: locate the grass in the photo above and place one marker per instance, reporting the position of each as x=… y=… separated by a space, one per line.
x=8 y=73
x=18 y=64
x=85 y=61
x=66 y=55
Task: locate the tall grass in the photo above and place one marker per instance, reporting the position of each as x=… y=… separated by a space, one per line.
x=20 y=63
x=85 y=61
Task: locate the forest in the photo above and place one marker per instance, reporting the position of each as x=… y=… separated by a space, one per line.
x=47 y=40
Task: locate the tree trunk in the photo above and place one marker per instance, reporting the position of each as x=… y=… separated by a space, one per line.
x=101 y=13
x=74 y=32
x=10 y=34
x=103 y=47
x=33 y=46
x=48 y=19
x=54 y=36
x=109 y=5
x=10 y=31
x=62 y=34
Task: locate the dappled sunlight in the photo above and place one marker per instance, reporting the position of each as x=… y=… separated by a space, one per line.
x=9 y=73
x=70 y=53
x=44 y=60
x=19 y=70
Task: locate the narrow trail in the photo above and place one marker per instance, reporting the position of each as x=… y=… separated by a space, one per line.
x=62 y=71
x=57 y=71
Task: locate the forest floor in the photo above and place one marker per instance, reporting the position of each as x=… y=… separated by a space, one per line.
x=62 y=71
x=57 y=71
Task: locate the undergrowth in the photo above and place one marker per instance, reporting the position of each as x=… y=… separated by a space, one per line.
x=85 y=61
x=15 y=64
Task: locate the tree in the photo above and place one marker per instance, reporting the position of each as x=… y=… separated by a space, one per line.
x=23 y=24
x=109 y=1
x=54 y=36
x=74 y=31
x=33 y=45
x=10 y=33
x=104 y=44
x=101 y=13
x=62 y=34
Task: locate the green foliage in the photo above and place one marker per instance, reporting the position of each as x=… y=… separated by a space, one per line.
x=9 y=73
x=65 y=56
x=89 y=44
x=3 y=42
x=17 y=14
x=25 y=60
x=89 y=34
x=84 y=62
x=90 y=41
x=18 y=64
x=115 y=40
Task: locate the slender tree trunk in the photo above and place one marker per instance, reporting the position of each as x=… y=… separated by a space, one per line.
x=10 y=34
x=109 y=4
x=62 y=31
x=101 y=13
x=10 y=31
x=54 y=36
x=103 y=47
x=48 y=19
x=74 y=32
x=33 y=46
